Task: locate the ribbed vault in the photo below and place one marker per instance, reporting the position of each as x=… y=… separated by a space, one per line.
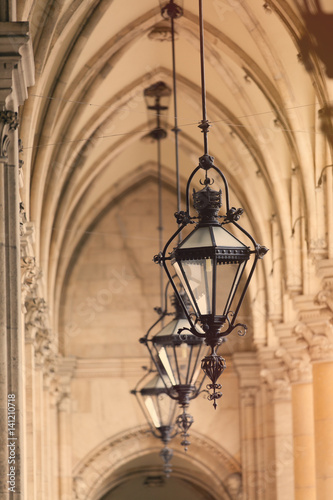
x=90 y=177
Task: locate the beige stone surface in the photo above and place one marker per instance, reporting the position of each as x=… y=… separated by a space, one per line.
x=78 y=224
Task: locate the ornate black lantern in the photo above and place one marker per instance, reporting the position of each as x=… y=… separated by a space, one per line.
x=160 y=411
x=177 y=359
x=171 y=9
x=210 y=262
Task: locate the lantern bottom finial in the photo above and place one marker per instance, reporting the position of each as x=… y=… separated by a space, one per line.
x=213 y=366
x=184 y=422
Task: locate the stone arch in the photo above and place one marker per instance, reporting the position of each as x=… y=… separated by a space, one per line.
x=215 y=469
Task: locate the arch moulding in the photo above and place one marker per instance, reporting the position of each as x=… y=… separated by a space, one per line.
x=96 y=469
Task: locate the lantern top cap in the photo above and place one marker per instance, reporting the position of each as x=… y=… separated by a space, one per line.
x=170 y=9
x=158 y=89
x=207 y=202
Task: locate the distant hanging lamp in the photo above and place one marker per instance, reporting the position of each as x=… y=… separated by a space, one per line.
x=160 y=412
x=157 y=98
x=171 y=9
x=211 y=261
x=177 y=359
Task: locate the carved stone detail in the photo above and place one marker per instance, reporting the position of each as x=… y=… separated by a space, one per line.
x=30 y=275
x=65 y=372
x=278 y=383
x=21 y=163
x=325 y=297
x=297 y=363
x=9 y=118
x=8 y=122
x=234 y=486
x=79 y=488
x=91 y=470
x=248 y=395
x=320 y=344
x=38 y=333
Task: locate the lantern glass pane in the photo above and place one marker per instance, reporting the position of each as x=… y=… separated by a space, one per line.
x=160 y=407
x=225 y=239
x=185 y=359
x=199 y=276
x=200 y=237
x=180 y=358
x=228 y=277
x=152 y=411
x=168 y=365
x=166 y=409
x=183 y=281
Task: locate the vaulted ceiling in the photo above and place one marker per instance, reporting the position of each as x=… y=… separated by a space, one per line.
x=85 y=118
x=90 y=174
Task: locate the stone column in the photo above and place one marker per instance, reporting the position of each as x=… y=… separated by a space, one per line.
x=16 y=69
x=65 y=374
x=248 y=369
x=54 y=442
x=316 y=329
x=320 y=343
x=278 y=474
x=30 y=275
x=296 y=358
x=323 y=415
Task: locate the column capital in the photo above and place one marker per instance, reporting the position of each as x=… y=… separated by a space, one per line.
x=16 y=64
x=309 y=309
x=297 y=362
x=8 y=123
x=9 y=118
x=247 y=367
x=319 y=338
x=275 y=375
x=325 y=296
x=294 y=352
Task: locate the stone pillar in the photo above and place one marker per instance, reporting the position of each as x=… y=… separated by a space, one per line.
x=304 y=446
x=248 y=369
x=16 y=69
x=29 y=278
x=54 y=442
x=296 y=358
x=278 y=474
x=323 y=415
x=316 y=330
x=65 y=373
x=320 y=340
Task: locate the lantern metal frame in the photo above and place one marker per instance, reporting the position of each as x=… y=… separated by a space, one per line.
x=211 y=324
x=170 y=9
x=164 y=432
x=208 y=202
x=183 y=393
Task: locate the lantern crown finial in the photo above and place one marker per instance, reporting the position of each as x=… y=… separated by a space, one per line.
x=207 y=202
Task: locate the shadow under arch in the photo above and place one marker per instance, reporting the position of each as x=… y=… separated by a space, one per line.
x=207 y=465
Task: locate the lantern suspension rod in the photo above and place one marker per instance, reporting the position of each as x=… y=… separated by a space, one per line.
x=204 y=125
x=176 y=129
x=160 y=205
x=174 y=13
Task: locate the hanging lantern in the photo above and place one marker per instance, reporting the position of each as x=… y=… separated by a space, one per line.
x=210 y=262
x=171 y=9
x=160 y=412
x=178 y=356
x=177 y=359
